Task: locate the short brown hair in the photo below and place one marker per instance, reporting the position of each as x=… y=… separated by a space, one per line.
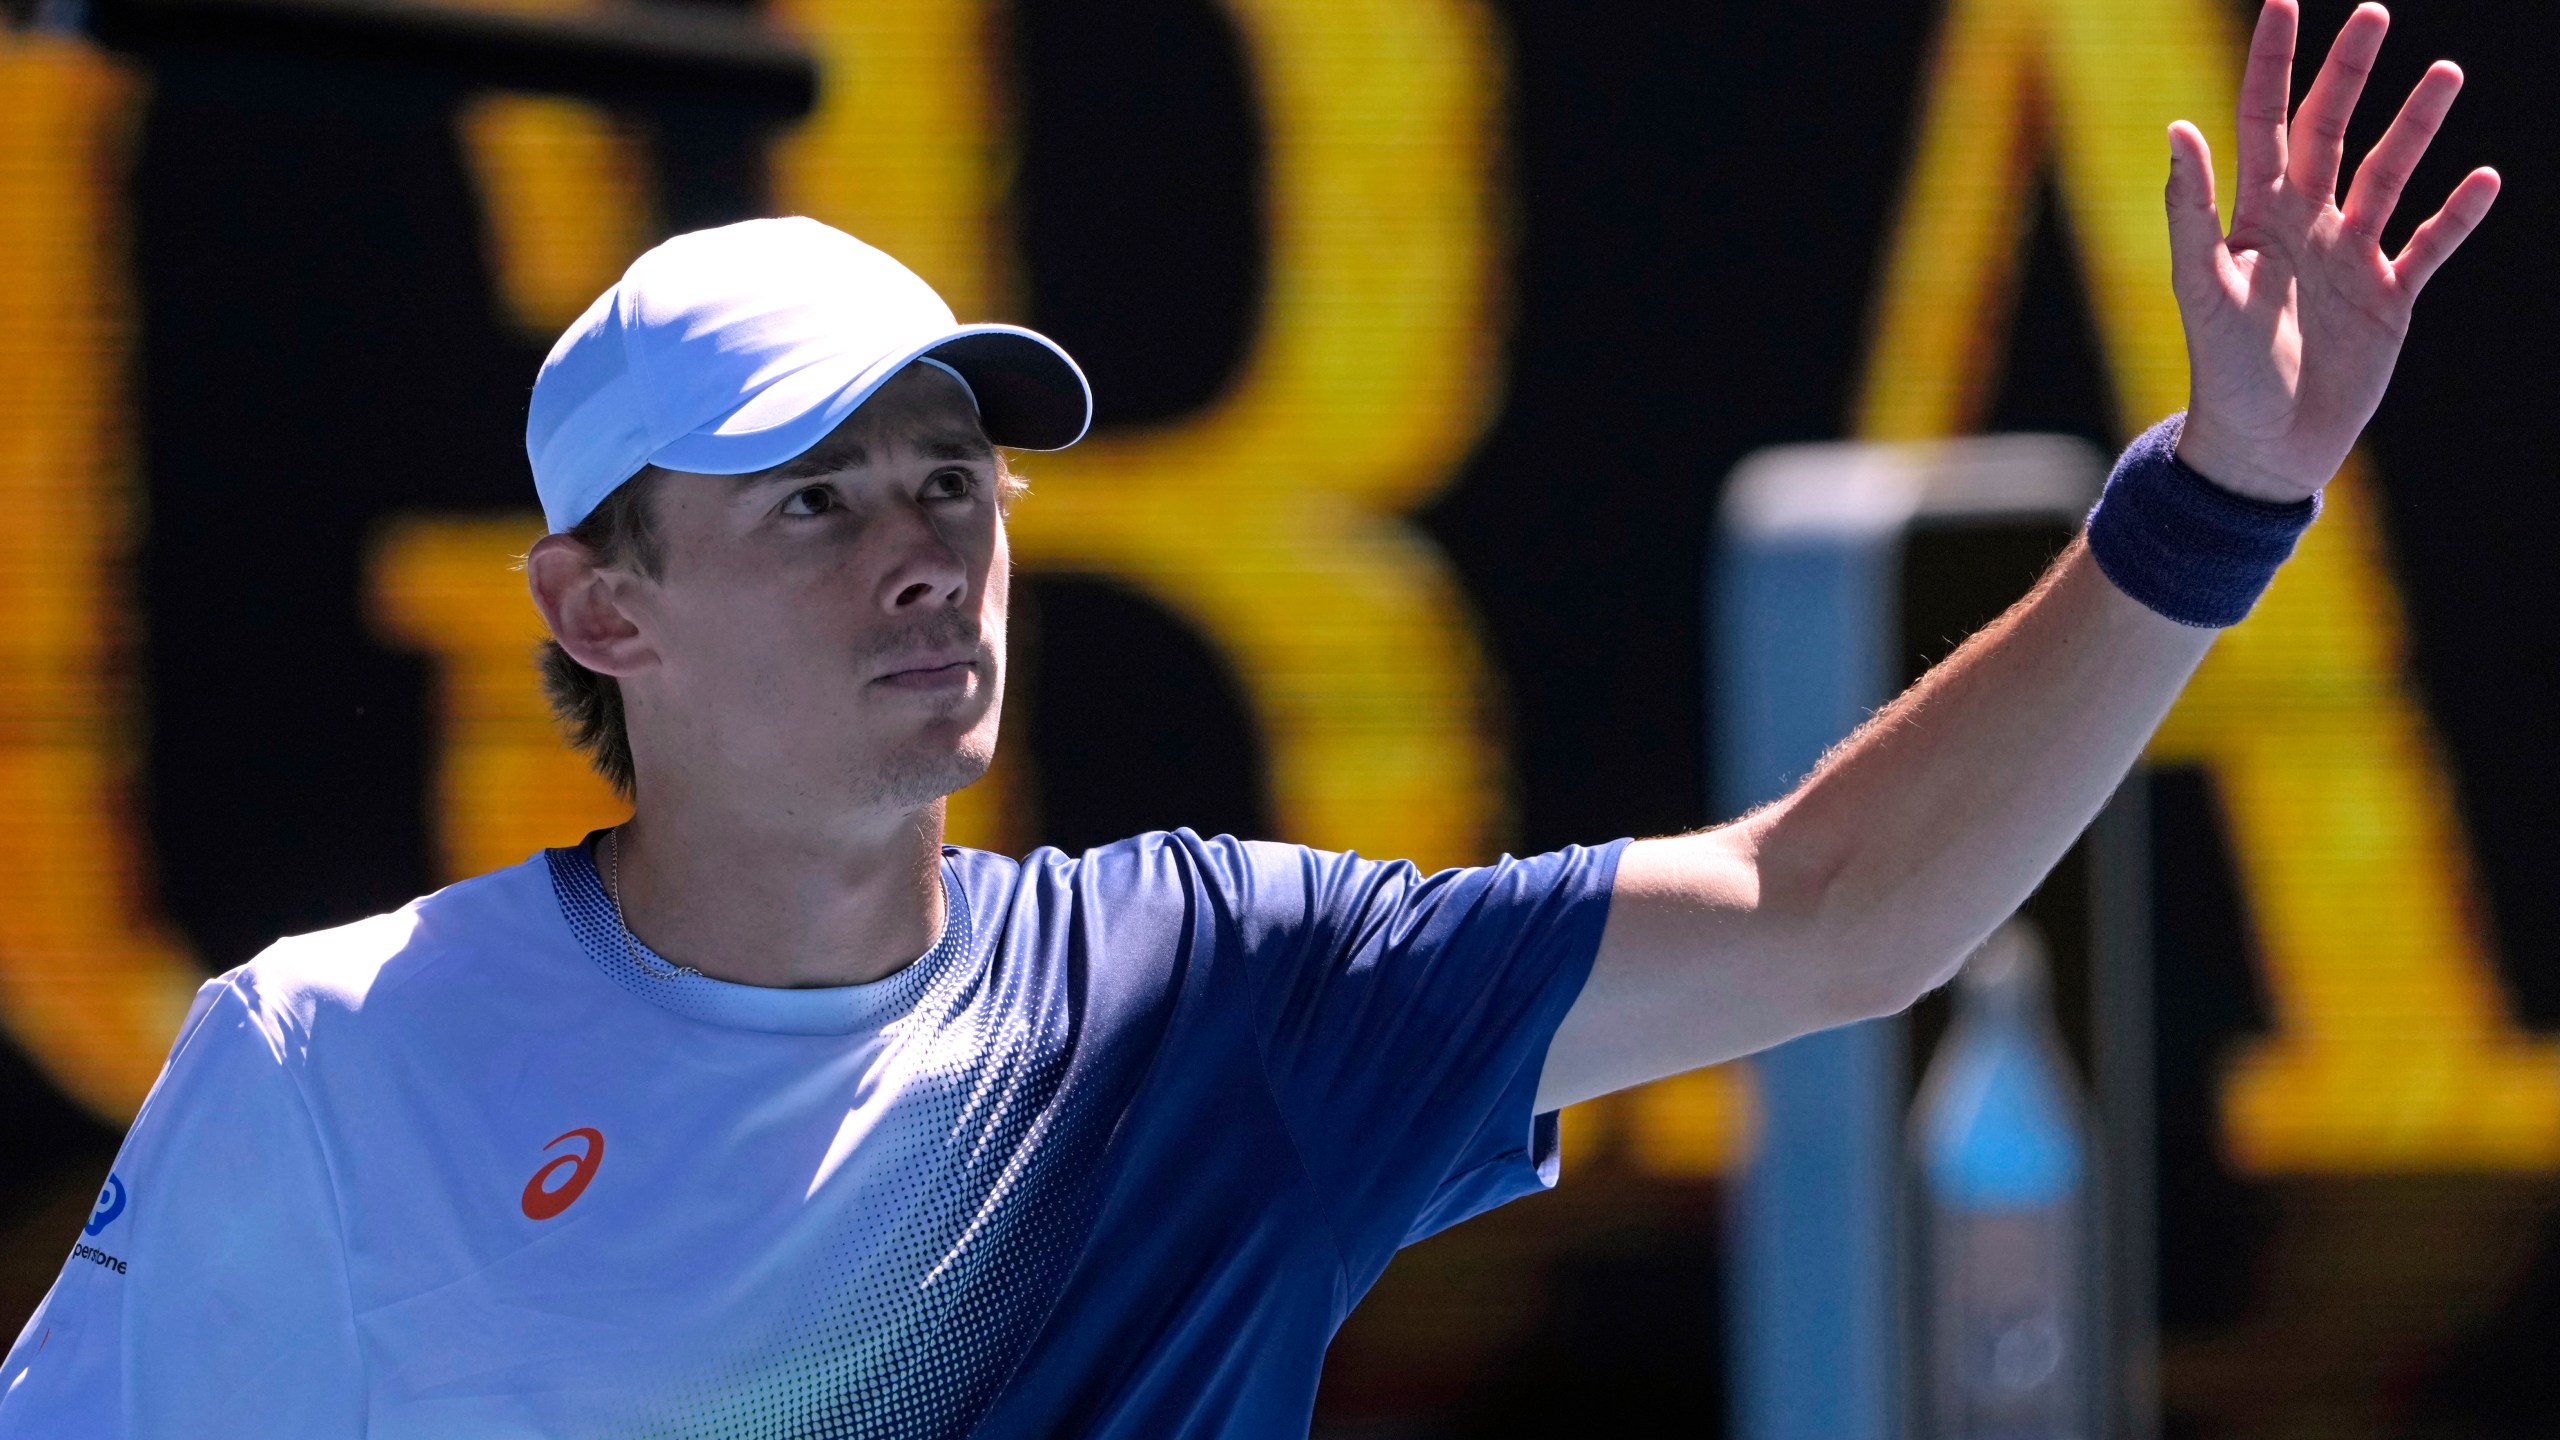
x=622 y=531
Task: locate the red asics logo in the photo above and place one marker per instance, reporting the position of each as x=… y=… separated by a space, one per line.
x=542 y=1199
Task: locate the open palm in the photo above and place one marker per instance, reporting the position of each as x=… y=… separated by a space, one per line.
x=2294 y=319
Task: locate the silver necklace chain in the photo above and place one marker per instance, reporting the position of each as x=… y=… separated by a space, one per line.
x=640 y=955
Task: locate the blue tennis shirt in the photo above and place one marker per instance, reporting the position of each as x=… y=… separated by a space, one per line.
x=1113 y=1158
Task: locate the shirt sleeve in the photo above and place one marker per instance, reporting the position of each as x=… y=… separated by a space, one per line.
x=207 y=1294
x=1405 y=1018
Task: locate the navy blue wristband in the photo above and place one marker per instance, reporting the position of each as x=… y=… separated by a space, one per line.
x=2181 y=544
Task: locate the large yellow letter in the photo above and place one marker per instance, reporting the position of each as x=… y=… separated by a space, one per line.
x=92 y=984
x=1274 y=522
x=2395 y=1048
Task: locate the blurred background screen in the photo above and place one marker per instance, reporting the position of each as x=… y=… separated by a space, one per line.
x=1425 y=335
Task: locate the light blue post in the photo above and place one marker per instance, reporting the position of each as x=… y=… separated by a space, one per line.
x=1805 y=622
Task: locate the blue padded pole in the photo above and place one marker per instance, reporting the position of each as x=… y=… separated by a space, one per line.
x=1805 y=623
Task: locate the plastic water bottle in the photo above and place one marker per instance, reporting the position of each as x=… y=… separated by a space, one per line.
x=2007 y=1247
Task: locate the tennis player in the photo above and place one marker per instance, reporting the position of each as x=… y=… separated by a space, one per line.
x=768 y=1114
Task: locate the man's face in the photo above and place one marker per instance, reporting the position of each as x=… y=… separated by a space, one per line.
x=834 y=626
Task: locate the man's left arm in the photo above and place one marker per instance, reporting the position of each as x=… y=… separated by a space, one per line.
x=1869 y=884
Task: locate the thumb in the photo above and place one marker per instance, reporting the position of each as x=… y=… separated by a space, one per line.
x=2195 y=228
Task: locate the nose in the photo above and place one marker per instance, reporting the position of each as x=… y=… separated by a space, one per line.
x=926 y=569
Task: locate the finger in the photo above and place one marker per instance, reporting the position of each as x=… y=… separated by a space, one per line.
x=2319 y=135
x=2445 y=230
x=2387 y=167
x=2266 y=88
x=2195 y=227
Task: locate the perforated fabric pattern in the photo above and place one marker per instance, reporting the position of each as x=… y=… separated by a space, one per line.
x=947 y=1236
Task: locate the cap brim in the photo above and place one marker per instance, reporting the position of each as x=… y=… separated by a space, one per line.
x=1031 y=396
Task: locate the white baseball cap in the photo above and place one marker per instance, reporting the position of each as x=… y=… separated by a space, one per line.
x=731 y=350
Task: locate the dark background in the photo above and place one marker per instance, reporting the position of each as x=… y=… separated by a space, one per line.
x=1699 y=195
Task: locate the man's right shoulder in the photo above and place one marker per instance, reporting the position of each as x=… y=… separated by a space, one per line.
x=363 y=971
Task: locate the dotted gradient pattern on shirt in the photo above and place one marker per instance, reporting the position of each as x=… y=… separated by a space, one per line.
x=911 y=1320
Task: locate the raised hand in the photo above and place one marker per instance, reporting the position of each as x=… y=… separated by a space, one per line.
x=2294 y=319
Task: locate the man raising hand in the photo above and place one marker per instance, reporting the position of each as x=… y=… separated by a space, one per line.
x=768 y=1114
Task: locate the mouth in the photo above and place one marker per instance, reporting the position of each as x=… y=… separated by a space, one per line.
x=928 y=673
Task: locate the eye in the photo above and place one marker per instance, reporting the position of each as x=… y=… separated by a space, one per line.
x=809 y=500
x=951 y=484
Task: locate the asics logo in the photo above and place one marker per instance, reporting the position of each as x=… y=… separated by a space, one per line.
x=551 y=1191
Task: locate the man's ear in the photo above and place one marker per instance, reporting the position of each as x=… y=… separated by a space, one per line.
x=582 y=601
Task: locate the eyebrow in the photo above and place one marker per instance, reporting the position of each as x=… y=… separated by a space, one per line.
x=846 y=454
